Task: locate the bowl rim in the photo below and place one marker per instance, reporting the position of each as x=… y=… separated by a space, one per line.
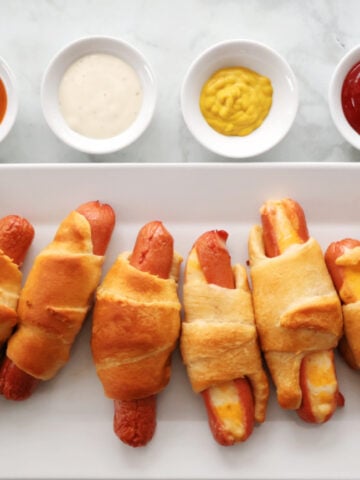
x=10 y=83
x=242 y=42
x=57 y=66
x=334 y=95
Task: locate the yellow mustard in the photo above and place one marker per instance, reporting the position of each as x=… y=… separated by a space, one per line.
x=236 y=100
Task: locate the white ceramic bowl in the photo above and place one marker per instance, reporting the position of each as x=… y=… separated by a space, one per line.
x=10 y=84
x=263 y=60
x=335 y=88
x=53 y=76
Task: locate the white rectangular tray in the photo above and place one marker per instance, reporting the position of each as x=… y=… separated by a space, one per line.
x=65 y=429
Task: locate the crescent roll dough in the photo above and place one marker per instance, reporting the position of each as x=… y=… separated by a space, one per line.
x=55 y=300
x=136 y=324
x=350 y=342
x=297 y=310
x=219 y=340
x=10 y=285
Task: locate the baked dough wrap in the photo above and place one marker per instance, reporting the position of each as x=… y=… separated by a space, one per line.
x=350 y=342
x=56 y=297
x=297 y=310
x=219 y=339
x=10 y=286
x=136 y=325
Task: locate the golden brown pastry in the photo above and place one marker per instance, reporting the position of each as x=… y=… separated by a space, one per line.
x=343 y=262
x=58 y=294
x=137 y=317
x=10 y=281
x=297 y=309
x=219 y=340
x=136 y=324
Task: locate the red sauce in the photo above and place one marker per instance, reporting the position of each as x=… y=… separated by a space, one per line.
x=3 y=100
x=350 y=97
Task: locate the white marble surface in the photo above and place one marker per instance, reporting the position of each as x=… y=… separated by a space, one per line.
x=312 y=35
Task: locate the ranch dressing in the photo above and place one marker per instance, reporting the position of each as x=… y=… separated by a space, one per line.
x=100 y=96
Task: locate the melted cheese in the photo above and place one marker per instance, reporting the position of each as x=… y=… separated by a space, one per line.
x=286 y=232
x=321 y=382
x=350 y=291
x=226 y=404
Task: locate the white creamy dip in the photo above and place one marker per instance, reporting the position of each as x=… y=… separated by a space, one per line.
x=100 y=96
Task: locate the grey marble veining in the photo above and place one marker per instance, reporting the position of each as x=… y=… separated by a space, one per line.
x=312 y=35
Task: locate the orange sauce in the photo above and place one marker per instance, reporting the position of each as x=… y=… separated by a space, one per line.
x=3 y=100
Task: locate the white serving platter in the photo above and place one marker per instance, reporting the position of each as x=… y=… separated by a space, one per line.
x=65 y=429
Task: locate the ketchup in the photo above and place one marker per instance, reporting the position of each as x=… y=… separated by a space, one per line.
x=3 y=100
x=350 y=97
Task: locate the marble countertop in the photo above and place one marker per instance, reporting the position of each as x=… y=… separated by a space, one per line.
x=313 y=35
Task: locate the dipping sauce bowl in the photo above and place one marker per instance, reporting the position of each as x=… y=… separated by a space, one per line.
x=248 y=55
x=8 y=99
x=336 y=99
x=105 y=73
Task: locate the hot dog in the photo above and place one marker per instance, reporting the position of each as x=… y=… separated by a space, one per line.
x=217 y=301
x=283 y=227
x=136 y=324
x=55 y=299
x=230 y=405
x=343 y=262
x=16 y=236
x=135 y=420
